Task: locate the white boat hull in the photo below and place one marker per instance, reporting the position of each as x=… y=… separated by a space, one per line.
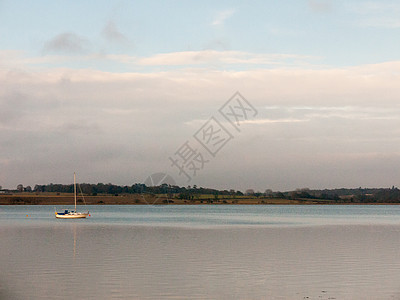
x=72 y=216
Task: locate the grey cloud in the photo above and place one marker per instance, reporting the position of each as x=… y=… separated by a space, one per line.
x=218 y=44
x=111 y=33
x=80 y=126
x=121 y=128
x=337 y=112
x=67 y=42
x=320 y=6
x=13 y=106
x=20 y=103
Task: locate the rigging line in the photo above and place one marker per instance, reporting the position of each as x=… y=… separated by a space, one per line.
x=82 y=194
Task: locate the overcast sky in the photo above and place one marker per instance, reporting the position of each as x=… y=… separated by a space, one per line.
x=120 y=90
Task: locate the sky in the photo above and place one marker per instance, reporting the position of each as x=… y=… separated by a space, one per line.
x=118 y=91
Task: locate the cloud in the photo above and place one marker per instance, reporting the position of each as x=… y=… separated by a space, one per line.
x=308 y=113
x=218 y=44
x=268 y=121
x=111 y=33
x=121 y=112
x=221 y=57
x=185 y=59
x=13 y=107
x=222 y=17
x=121 y=127
x=68 y=43
x=320 y=6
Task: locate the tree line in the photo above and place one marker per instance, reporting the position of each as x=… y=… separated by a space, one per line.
x=355 y=195
x=342 y=195
x=137 y=188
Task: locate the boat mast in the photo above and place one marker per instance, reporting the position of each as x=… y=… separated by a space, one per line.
x=75 y=190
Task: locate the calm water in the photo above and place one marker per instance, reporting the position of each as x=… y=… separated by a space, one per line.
x=201 y=252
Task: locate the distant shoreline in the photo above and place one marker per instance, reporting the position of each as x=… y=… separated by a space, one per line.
x=146 y=199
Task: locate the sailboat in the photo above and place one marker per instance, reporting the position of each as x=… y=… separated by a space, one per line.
x=72 y=214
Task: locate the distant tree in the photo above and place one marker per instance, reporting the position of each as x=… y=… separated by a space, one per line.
x=185 y=196
x=258 y=194
x=1 y=187
x=239 y=193
x=28 y=189
x=301 y=193
x=20 y=188
x=279 y=195
x=249 y=192
x=268 y=192
x=216 y=197
x=39 y=188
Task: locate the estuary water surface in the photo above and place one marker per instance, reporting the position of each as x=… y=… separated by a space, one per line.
x=201 y=252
